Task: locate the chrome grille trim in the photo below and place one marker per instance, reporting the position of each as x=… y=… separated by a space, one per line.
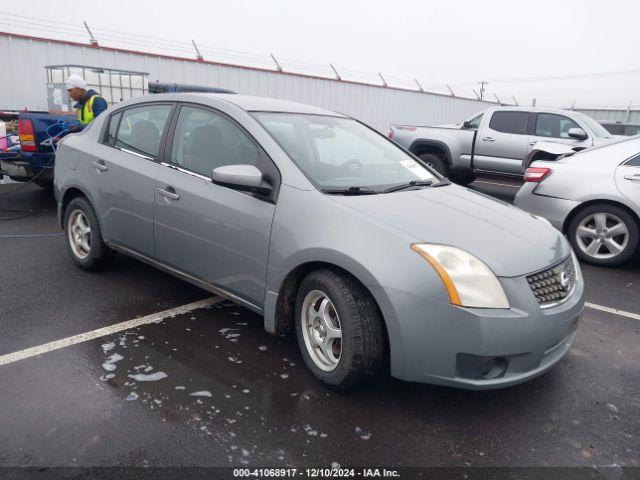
x=554 y=285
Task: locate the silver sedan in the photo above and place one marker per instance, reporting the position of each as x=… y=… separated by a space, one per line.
x=592 y=196
x=324 y=227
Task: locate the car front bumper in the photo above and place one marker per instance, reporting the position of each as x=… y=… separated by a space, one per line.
x=439 y=343
x=553 y=209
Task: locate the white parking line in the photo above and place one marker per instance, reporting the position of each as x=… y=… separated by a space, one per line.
x=101 y=332
x=615 y=311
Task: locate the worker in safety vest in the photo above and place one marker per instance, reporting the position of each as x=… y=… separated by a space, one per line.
x=88 y=103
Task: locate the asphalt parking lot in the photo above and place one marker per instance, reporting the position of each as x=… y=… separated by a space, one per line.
x=208 y=387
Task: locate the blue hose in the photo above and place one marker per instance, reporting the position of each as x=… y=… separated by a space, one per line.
x=62 y=127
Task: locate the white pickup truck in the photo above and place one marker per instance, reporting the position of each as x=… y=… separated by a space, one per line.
x=496 y=140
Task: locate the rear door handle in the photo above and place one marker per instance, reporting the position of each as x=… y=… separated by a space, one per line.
x=634 y=178
x=171 y=194
x=531 y=144
x=100 y=165
x=488 y=139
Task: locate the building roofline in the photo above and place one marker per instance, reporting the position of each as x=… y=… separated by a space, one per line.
x=222 y=64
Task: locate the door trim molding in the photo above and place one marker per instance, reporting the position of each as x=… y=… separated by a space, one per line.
x=187 y=278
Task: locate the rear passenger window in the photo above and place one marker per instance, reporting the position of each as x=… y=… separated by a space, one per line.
x=509 y=122
x=141 y=128
x=552 y=125
x=113 y=125
x=204 y=141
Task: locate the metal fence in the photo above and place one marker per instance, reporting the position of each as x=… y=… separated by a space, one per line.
x=22 y=84
x=612 y=115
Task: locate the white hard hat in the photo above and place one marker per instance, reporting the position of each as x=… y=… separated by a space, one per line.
x=76 y=81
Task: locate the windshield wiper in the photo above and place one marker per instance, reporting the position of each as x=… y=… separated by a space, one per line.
x=350 y=191
x=417 y=183
x=412 y=183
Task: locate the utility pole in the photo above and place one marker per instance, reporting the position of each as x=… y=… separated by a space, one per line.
x=483 y=85
x=198 y=54
x=92 y=39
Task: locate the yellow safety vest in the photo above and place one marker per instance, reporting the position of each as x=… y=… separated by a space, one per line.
x=85 y=114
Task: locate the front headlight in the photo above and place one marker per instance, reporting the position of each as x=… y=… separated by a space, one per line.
x=468 y=281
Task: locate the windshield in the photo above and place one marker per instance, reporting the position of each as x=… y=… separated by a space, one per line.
x=597 y=129
x=338 y=153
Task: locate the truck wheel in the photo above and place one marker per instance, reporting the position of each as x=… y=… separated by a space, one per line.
x=464 y=179
x=339 y=329
x=84 y=239
x=435 y=162
x=604 y=235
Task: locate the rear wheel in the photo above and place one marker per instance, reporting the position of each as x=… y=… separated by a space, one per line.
x=604 y=235
x=339 y=329
x=83 y=236
x=437 y=163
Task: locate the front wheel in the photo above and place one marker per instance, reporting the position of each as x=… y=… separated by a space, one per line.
x=436 y=163
x=340 y=330
x=463 y=179
x=604 y=235
x=84 y=239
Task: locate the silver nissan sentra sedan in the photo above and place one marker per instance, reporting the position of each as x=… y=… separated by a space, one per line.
x=325 y=227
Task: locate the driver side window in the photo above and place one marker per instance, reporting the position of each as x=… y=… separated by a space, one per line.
x=204 y=141
x=474 y=123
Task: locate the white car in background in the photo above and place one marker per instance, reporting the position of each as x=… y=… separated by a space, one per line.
x=593 y=196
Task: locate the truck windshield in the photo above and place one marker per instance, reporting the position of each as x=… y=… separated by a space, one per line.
x=597 y=129
x=338 y=153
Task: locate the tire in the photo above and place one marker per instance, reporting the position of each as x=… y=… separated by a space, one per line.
x=585 y=221
x=464 y=179
x=437 y=163
x=362 y=346
x=92 y=253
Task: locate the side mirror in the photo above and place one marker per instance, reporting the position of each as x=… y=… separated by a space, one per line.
x=241 y=177
x=465 y=125
x=577 y=133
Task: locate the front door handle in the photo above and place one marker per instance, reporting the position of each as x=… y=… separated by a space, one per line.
x=488 y=139
x=634 y=178
x=171 y=194
x=531 y=144
x=100 y=165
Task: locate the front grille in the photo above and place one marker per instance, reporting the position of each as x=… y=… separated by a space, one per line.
x=553 y=285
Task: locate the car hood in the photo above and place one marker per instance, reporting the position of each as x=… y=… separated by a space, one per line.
x=510 y=241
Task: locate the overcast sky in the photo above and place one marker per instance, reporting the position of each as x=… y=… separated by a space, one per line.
x=455 y=42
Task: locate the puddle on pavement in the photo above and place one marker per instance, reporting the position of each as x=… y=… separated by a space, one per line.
x=217 y=371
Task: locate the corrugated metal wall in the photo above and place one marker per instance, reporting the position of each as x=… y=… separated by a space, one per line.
x=626 y=116
x=23 y=83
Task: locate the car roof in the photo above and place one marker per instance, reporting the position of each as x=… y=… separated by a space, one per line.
x=264 y=104
x=613 y=153
x=248 y=103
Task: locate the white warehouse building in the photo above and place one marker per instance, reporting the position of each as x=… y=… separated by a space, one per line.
x=23 y=82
